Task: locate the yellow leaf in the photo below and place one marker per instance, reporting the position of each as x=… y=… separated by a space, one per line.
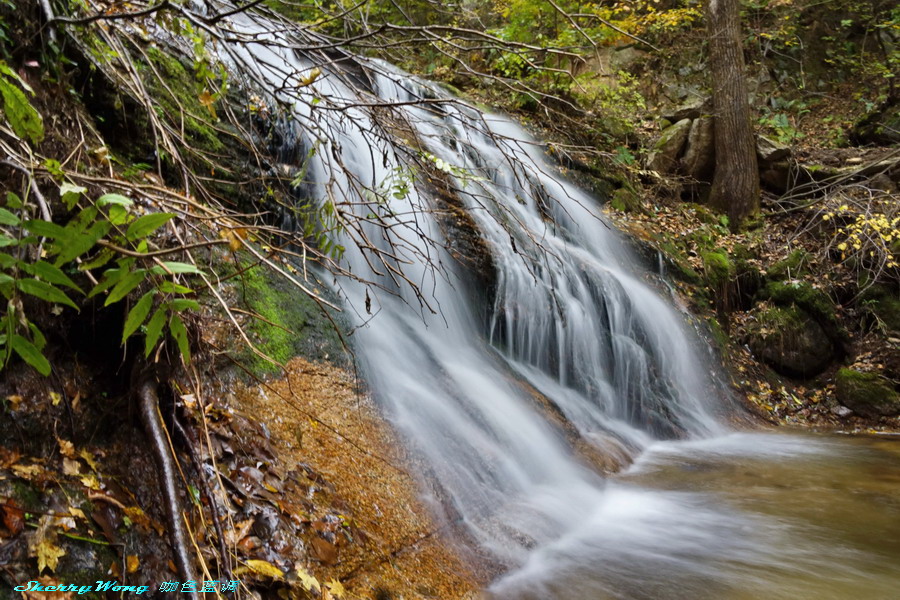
x=55 y=398
x=71 y=467
x=77 y=512
x=264 y=568
x=91 y=482
x=48 y=554
x=337 y=589
x=132 y=563
x=26 y=471
x=308 y=581
x=14 y=402
x=208 y=100
x=309 y=79
x=88 y=458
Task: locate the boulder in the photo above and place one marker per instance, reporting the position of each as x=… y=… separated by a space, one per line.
x=692 y=109
x=668 y=147
x=867 y=394
x=699 y=155
x=790 y=341
x=769 y=151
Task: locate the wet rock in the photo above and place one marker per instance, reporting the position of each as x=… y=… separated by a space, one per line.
x=867 y=394
x=790 y=341
x=667 y=149
x=841 y=411
x=699 y=156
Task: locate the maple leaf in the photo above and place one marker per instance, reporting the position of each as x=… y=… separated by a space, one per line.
x=48 y=554
x=336 y=588
x=308 y=581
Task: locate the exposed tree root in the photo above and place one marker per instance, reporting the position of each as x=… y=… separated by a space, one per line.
x=159 y=441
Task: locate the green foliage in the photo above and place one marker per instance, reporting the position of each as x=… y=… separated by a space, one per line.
x=38 y=262
x=25 y=121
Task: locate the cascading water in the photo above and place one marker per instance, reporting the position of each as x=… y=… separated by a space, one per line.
x=569 y=320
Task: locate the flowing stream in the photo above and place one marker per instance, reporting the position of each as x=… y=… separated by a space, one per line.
x=479 y=370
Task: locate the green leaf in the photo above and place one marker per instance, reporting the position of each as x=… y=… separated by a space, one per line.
x=154 y=329
x=13 y=201
x=5 y=240
x=47 y=229
x=31 y=354
x=7 y=218
x=137 y=315
x=82 y=242
x=128 y=283
x=147 y=224
x=103 y=257
x=181 y=304
x=115 y=199
x=176 y=267
x=170 y=287
x=25 y=120
x=118 y=215
x=39 y=340
x=70 y=193
x=179 y=332
x=45 y=291
x=52 y=274
x=111 y=278
x=6 y=261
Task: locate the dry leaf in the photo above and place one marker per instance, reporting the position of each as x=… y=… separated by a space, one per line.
x=336 y=587
x=66 y=448
x=48 y=554
x=132 y=563
x=14 y=401
x=91 y=482
x=71 y=467
x=13 y=516
x=208 y=100
x=88 y=458
x=264 y=568
x=309 y=582
x=309 y=79
x=47 y=581
x=27 y=471
x=77 y=512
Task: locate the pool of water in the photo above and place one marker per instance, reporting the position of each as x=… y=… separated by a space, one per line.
x=739 y=517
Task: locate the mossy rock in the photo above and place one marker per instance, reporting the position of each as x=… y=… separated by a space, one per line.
x=814 y=302
x=790 y=341
x=625 y=200
x=793 y=266
x=292 y=324
x=678 y=265
x=885 y=305
x=718 y=267
x=866 y=394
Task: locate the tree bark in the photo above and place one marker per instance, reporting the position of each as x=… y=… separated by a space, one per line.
x=735 y=187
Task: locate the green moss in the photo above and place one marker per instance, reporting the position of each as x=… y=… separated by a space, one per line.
x=884 y=304
x=790 y=341
x=802 y=294
x=791 y=267
x=625 y=200
x=26 y=495
x=676 y=260
x=718 y=268
x=867 y=394
x=721 y=338
x=181 y=96
x=292 y=324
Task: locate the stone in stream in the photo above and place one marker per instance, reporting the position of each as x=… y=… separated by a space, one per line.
x=867 y=394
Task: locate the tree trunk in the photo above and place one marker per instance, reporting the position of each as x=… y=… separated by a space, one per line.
x=735 y=187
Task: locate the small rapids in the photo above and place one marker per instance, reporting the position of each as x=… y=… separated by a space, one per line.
x=466 y=365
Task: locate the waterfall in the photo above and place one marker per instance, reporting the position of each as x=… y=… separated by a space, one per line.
x=569 y=318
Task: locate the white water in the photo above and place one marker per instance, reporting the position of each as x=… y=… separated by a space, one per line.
x=570 y=317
